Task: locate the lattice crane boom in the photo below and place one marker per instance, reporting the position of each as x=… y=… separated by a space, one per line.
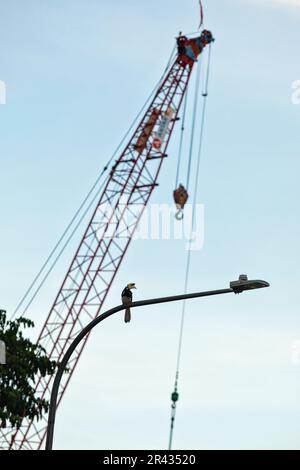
x=128 y=188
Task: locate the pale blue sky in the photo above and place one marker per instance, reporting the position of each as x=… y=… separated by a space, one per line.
x=77 y=72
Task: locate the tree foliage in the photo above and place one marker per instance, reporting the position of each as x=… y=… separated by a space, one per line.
x=25 y=363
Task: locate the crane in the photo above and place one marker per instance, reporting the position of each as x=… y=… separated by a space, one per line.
x=126 y=192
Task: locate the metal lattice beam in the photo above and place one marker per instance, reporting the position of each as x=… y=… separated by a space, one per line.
x=104 y=244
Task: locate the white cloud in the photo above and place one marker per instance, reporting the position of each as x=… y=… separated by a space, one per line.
x=289 y=2
x=295 y=3
x=279 y=3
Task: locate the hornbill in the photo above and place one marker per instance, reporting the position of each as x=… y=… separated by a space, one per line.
x=127 y=299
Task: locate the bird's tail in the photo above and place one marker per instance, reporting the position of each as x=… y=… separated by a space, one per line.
x=127 y=317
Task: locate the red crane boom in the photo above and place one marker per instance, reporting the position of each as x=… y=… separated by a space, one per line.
x=128 y=188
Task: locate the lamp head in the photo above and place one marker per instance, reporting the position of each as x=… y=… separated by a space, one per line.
x=244 y=283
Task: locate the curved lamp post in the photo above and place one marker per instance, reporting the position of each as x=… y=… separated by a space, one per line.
x=2 y=347
x=235 y=287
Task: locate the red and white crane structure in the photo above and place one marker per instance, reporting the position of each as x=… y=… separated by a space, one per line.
x=126 y=192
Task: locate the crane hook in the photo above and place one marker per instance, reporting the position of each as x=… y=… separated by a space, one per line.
x=179 y=215
x=180 y=198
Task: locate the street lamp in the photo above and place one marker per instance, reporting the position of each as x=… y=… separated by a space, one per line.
x=243 y=283
x=235 y=287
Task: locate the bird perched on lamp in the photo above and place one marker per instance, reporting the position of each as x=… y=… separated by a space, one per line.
x=127 y=300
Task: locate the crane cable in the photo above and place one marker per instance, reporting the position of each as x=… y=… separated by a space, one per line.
x=193 y=124
x=80 y=209
x=175 y=395
x=179 y=213
x=181 y=139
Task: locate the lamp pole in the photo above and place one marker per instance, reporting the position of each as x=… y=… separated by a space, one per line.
x=2 y=347
x=236 y=287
